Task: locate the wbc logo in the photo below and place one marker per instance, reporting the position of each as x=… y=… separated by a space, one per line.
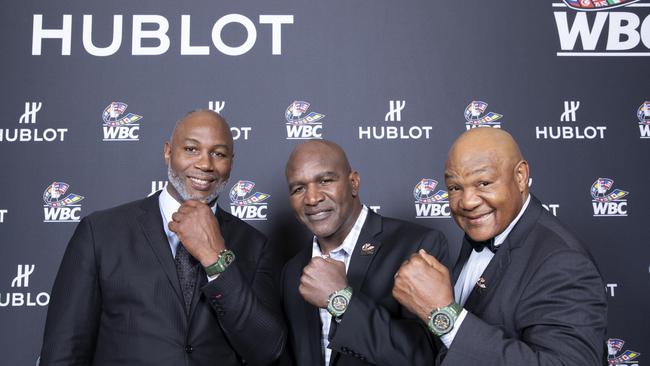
x=429 y=202
x=607 y=201
x=643 y=114
x=119 y=126
x=476 y=116
x=616 y=357
x=60 y=207
x=301 y=126
x=245 y=204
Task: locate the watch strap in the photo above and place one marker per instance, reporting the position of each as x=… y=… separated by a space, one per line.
x=226 y=257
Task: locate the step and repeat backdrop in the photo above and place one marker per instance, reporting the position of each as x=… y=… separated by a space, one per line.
x=91 y=90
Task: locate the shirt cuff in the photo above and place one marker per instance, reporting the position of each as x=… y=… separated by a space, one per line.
x=211 y=278
x=449 y=337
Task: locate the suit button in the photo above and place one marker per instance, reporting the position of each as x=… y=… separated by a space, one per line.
x=189 y=348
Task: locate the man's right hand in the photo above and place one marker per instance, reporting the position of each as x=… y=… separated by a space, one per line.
x=422 y=284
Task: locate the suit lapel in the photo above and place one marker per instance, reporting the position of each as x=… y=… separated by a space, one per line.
x=310 y=316
x=362 y=257
x=152 y=226
x=492 y=275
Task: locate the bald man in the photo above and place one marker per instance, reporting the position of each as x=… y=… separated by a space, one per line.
x=337 y=290
x=171 y=279
x=525 y=292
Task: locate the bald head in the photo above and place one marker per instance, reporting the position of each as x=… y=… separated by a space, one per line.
x=318 y=150
x=203 y=116
x=487 y=179
x=489 y=142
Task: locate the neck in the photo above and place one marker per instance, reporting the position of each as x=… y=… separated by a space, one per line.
x=332 y=242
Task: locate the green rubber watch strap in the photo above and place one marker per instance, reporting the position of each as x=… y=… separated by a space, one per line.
x=226 y=257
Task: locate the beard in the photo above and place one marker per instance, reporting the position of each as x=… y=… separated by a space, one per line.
x=178 y=184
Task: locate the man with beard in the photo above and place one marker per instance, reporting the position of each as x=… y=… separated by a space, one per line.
x=171 y=279
x=337 y=290
x=526 y=292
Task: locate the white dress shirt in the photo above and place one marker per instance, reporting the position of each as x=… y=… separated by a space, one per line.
x=168 y=205
x=342 y=253
x=472 y=271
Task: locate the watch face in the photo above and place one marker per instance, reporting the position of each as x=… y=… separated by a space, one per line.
x=442 y=322
x=228 y=258
x=339 y=303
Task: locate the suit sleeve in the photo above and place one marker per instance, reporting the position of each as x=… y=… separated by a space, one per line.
x=373 y=334
x=249 y=313
x=561 y=320
x=75 y=305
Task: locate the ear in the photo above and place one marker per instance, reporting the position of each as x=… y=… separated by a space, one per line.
x=167 y=152
x=355 y=182
x=522 y=175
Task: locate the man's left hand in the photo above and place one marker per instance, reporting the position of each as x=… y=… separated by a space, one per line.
x=198 y=229
x=320 y=278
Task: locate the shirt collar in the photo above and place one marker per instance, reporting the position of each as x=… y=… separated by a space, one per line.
x=350 y=241
x=499 y=239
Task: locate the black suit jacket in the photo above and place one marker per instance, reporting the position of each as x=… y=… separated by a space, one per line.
x=543 y=302
x=117 y=300
x=375 y=328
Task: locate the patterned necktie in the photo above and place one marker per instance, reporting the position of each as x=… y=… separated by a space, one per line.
x=186 y=267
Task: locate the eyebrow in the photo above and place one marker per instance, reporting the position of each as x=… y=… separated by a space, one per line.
x=189 y=139
x=473 y=172
x=317 y=177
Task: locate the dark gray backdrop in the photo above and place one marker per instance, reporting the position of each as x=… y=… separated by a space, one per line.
x=349 y=59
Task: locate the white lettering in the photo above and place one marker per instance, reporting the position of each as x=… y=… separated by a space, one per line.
x=186 y=48
x=65 y=34
x=160 y=34
x=88 y=37
x=617 y=29
x=251 y=36
x=276 y=22
x=580 y=27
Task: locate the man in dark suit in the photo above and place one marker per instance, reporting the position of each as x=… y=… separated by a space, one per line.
x=526 y=291
x=171 y=279
x=336 y=292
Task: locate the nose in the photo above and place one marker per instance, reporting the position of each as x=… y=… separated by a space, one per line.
x=204 y=162
x=469 y=200
x=313 y=196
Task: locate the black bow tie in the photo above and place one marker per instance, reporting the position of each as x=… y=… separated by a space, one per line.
x=479 y=245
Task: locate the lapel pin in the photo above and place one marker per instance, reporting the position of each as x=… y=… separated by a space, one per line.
x=481 y=283
x=367 y=249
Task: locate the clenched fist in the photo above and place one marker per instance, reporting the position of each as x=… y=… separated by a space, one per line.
x=422 y=284
x=198 y=229
x=320 y=278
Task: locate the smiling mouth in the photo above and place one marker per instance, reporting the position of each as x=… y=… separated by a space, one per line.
x=478 y=219
x=201 y=184
x=318 y=215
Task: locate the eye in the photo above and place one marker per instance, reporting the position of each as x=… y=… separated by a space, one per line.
x=296 y=190
x=452 y=188
x=325 y=180
x=218 y=154
x=190 y=149
x=483 y=183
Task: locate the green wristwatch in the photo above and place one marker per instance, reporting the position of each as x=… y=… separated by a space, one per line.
x=441 y=320
x=338 y=301
x=226 y=257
